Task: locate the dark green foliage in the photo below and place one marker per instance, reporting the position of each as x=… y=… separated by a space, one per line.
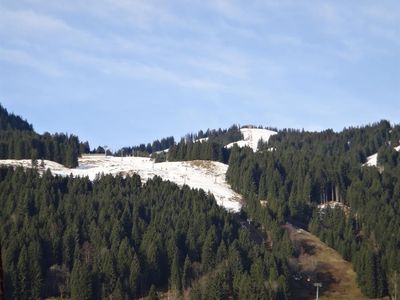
x=81 y=282
x=369 y=236
x=187 y=273
x=219 y=136
x=117 y=237
x=30 y=145
x=1 y=277
x=12 y=122
x=176 y=279
x=145 y=150
x=211 y=148
x=188 y=150
x=19 y=141
x=299 y=170
x=209 y=145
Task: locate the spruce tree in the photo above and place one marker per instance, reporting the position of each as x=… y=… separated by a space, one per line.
x=176 y=273
x=81 y=282
x=187 y=273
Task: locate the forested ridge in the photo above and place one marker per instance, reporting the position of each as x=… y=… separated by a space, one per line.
x=147 y=149
x=18 y=140
x=116 y=237
x=120 y=238
x=299 y=170
x=208 y=145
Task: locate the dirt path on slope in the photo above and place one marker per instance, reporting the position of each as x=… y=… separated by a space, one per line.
x=319 y=263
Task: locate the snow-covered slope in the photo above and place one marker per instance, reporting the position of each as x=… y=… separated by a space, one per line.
x=251 y=137
x=206 y=175
x=372 y=160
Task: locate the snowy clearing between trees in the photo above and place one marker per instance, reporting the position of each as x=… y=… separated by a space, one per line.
x=251 y=137
x=206 y=175
x=372 y=160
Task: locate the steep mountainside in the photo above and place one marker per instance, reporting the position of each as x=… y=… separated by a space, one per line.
x=206 y=175
x=87 y=234
x=308 y=169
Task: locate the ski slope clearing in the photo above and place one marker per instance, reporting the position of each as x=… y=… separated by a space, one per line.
x=206 y=175
x=251 y=137
x=317 y=260
x=372 y=160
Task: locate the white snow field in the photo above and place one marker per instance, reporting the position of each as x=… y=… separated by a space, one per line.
x=206 y=175
x=372 y=160
x=251 y=137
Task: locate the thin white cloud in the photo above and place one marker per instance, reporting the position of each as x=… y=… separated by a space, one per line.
x=99 y=52
x=29 y=21
x=44 y=31
x=367 y=28
x=236 y=47
x=19 y=57
x=129 y=69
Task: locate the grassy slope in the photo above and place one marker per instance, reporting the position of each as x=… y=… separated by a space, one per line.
x=320 y=263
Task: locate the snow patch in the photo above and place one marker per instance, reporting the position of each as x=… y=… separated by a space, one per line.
x=206 y=175
x=162 y=151
x=333 y=204
x=201 y=140
x=372 y=160
x=251 y=137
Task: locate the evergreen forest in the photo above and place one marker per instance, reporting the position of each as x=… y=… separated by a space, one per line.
x=18 y=140
x=122 y=238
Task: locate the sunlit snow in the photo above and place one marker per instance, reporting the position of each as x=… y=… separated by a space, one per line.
x=372 y=160
x=251 y=137
x=206 y=175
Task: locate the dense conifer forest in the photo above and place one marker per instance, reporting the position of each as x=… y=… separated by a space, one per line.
x=299 y=170
x=18 y=140
x=209 y=145
x=116 y=237
x=120 y=238
x=146 y=150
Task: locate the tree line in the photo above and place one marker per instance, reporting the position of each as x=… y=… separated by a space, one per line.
x=72 y=237
x=209 y=145
x=297 y=171
x=146 y=150
x=9 y=121
x=18 y=140
x=121 y=238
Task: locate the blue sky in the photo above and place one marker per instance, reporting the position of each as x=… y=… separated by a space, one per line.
x=121 y=72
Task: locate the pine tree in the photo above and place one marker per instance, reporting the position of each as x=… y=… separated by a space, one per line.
x=187 y=273
x=134 y=276
x=2 y=292
x=81 y=282
x=221 y=252
x=176 y=273
x=37 y=279
x=23 y=274
x=369 y=281
x=207 y=253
